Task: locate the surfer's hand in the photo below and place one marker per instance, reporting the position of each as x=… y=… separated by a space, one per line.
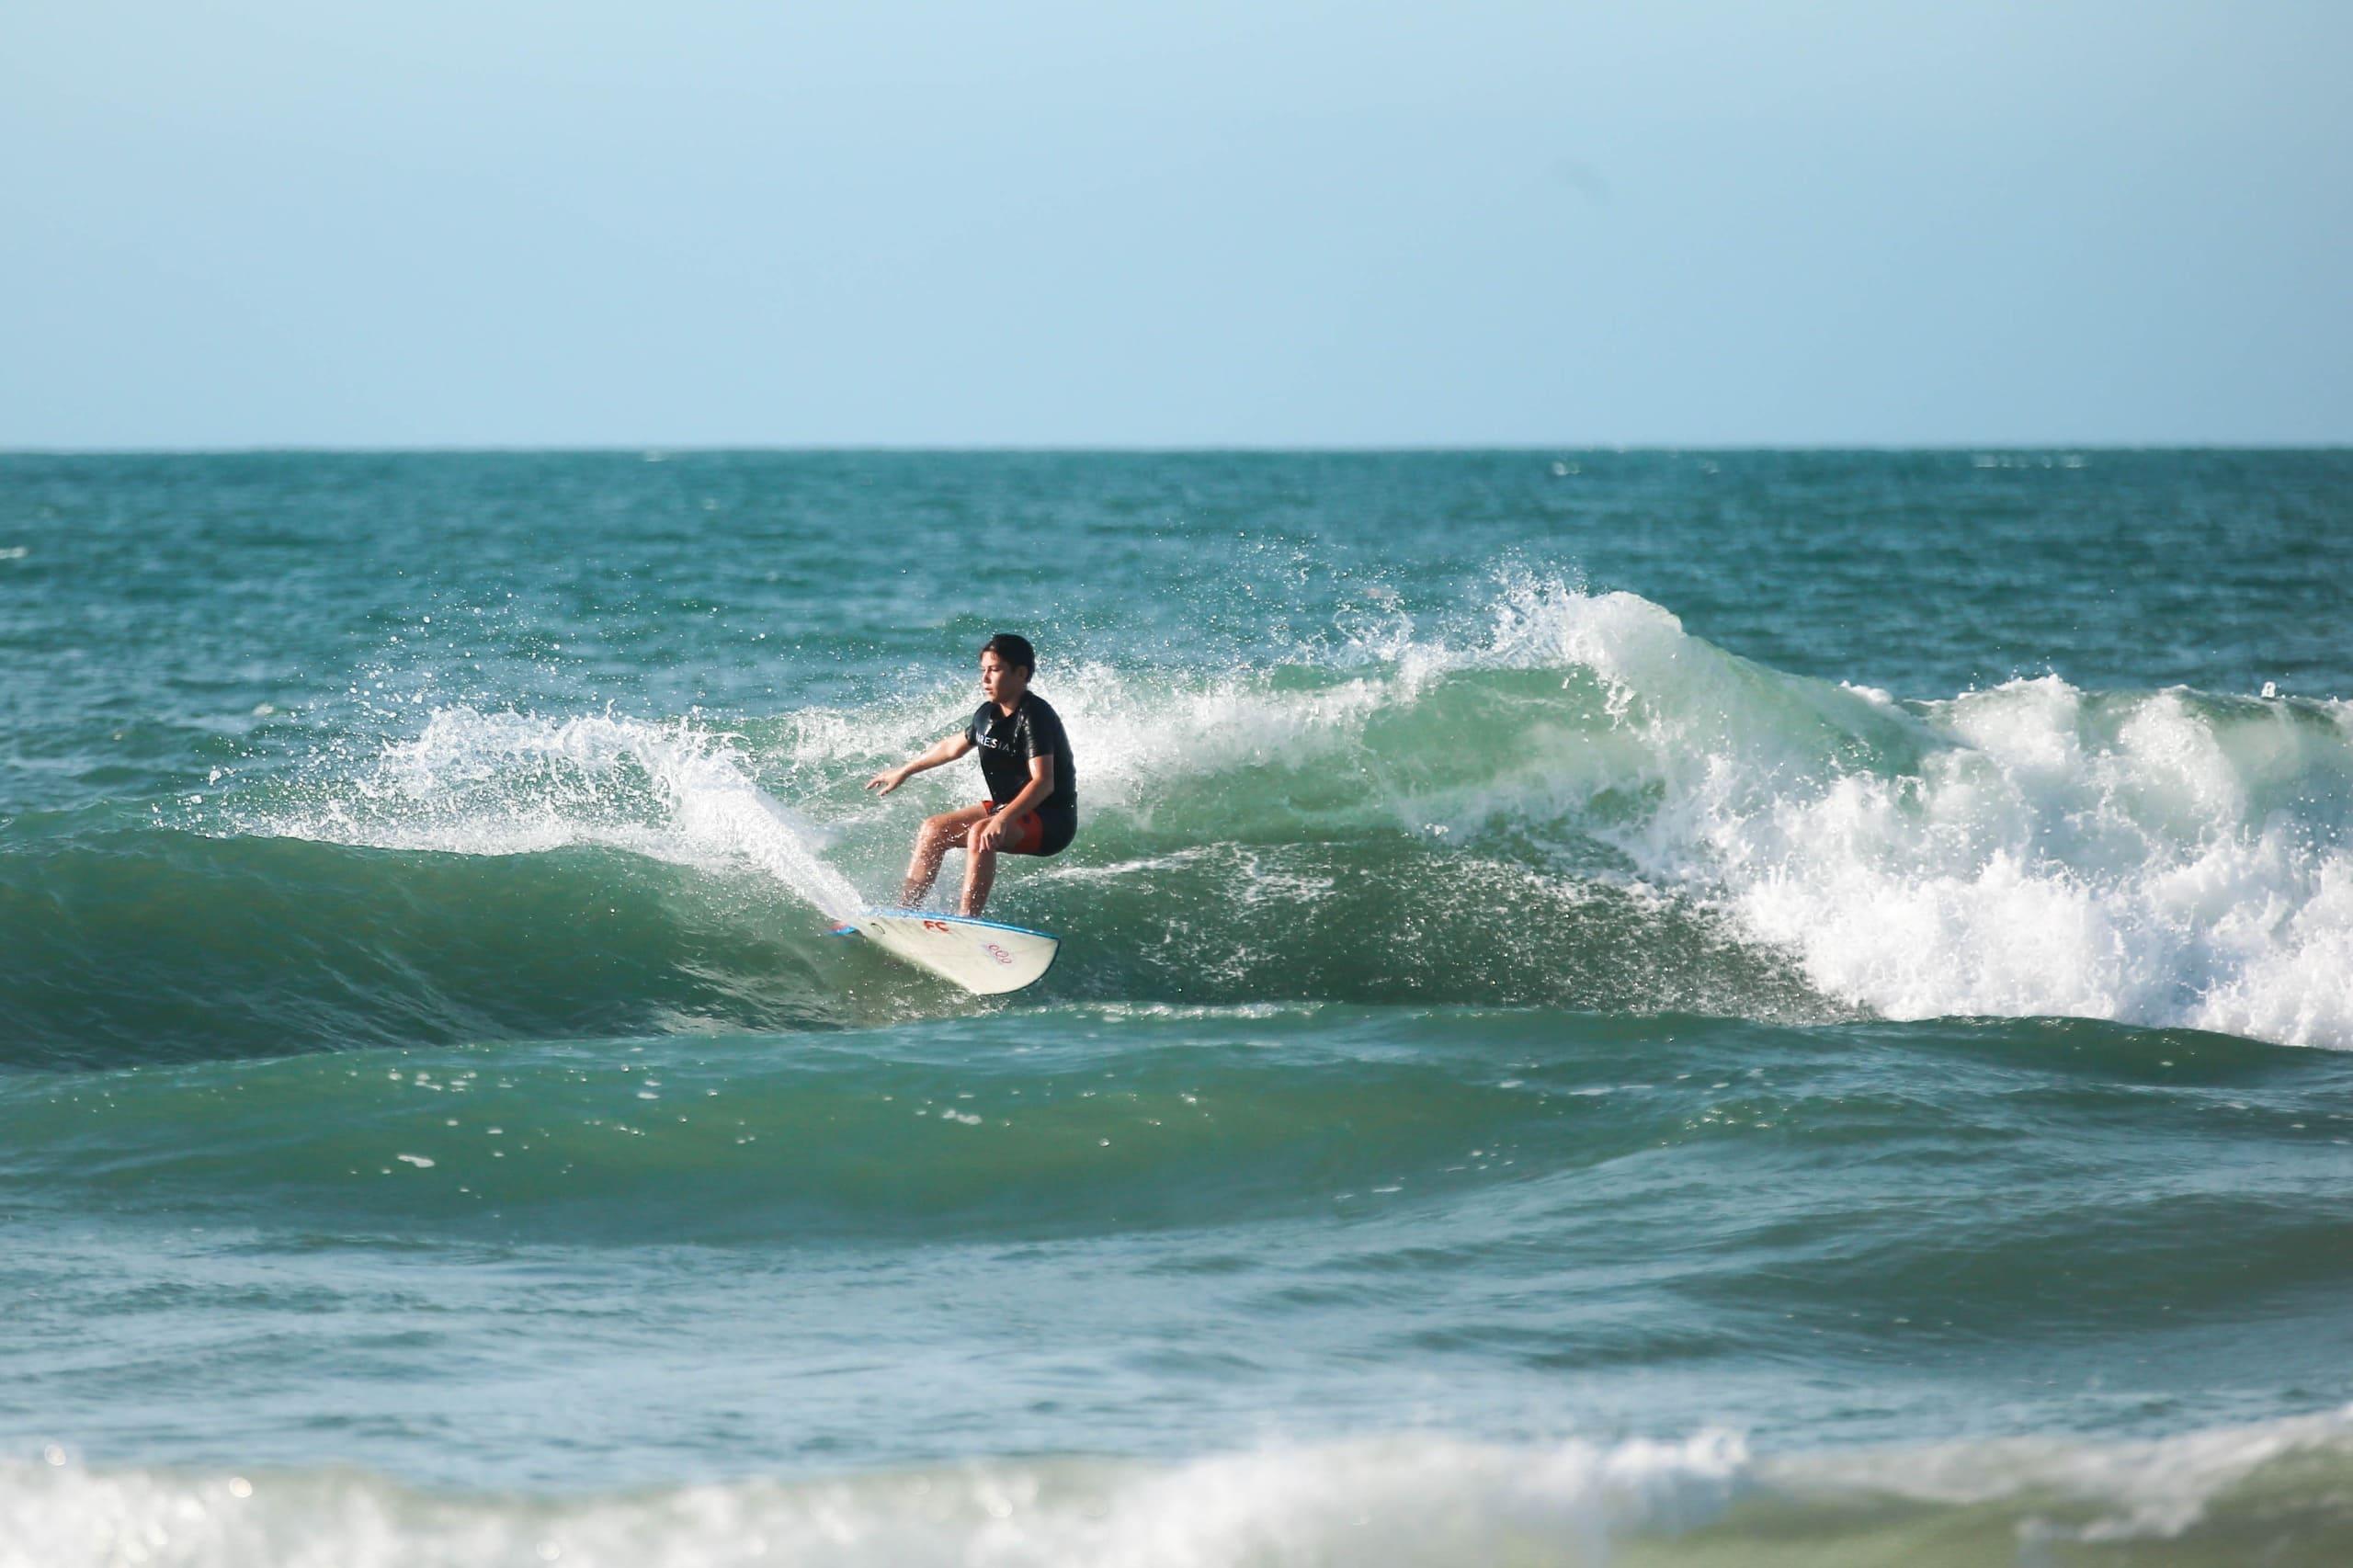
x=992 y=830
x=887 y=781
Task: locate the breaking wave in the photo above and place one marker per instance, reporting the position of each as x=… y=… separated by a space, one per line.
x=1583 y=805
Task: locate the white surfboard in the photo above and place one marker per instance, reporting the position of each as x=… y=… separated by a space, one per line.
x=979 y=955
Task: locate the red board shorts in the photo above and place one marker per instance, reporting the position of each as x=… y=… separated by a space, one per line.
x=1028 y=836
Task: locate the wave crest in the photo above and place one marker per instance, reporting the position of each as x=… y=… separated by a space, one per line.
x=1580 y=803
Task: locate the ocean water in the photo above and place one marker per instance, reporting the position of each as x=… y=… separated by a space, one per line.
x=1633 y=1008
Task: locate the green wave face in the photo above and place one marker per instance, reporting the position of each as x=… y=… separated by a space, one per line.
x=1111 y=1120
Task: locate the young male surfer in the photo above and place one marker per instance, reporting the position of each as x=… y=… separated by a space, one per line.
x=1032 y=807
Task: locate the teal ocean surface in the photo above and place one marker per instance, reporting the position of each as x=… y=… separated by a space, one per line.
x=1632 y=1007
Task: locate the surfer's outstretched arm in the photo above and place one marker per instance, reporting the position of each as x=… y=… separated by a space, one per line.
x=946 y=751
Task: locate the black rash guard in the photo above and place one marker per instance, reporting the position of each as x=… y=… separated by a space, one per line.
x=1007 y=743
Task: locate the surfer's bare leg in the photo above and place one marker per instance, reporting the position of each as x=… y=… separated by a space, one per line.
x=933 y=841
x=980 y=872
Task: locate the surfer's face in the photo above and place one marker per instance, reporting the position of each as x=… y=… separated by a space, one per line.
x=1003 y=683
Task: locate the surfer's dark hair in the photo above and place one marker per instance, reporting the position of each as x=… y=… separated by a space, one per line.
x=1012 y=649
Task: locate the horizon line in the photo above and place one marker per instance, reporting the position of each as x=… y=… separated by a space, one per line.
x=663 y=449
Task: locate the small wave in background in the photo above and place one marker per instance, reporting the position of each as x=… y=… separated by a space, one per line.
x=2263 y=1494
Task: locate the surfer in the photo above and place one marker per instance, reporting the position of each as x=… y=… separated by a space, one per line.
x=1032 y=807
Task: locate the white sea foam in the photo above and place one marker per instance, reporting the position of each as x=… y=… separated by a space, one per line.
x=1405 y=1501
x=507 y=783
x=1422 y=1499
x=2152 y=857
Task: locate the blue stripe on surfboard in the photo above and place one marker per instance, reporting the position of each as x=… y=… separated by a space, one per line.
x=963 y=920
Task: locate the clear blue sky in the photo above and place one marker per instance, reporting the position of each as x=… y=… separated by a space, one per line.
x=284 y=223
